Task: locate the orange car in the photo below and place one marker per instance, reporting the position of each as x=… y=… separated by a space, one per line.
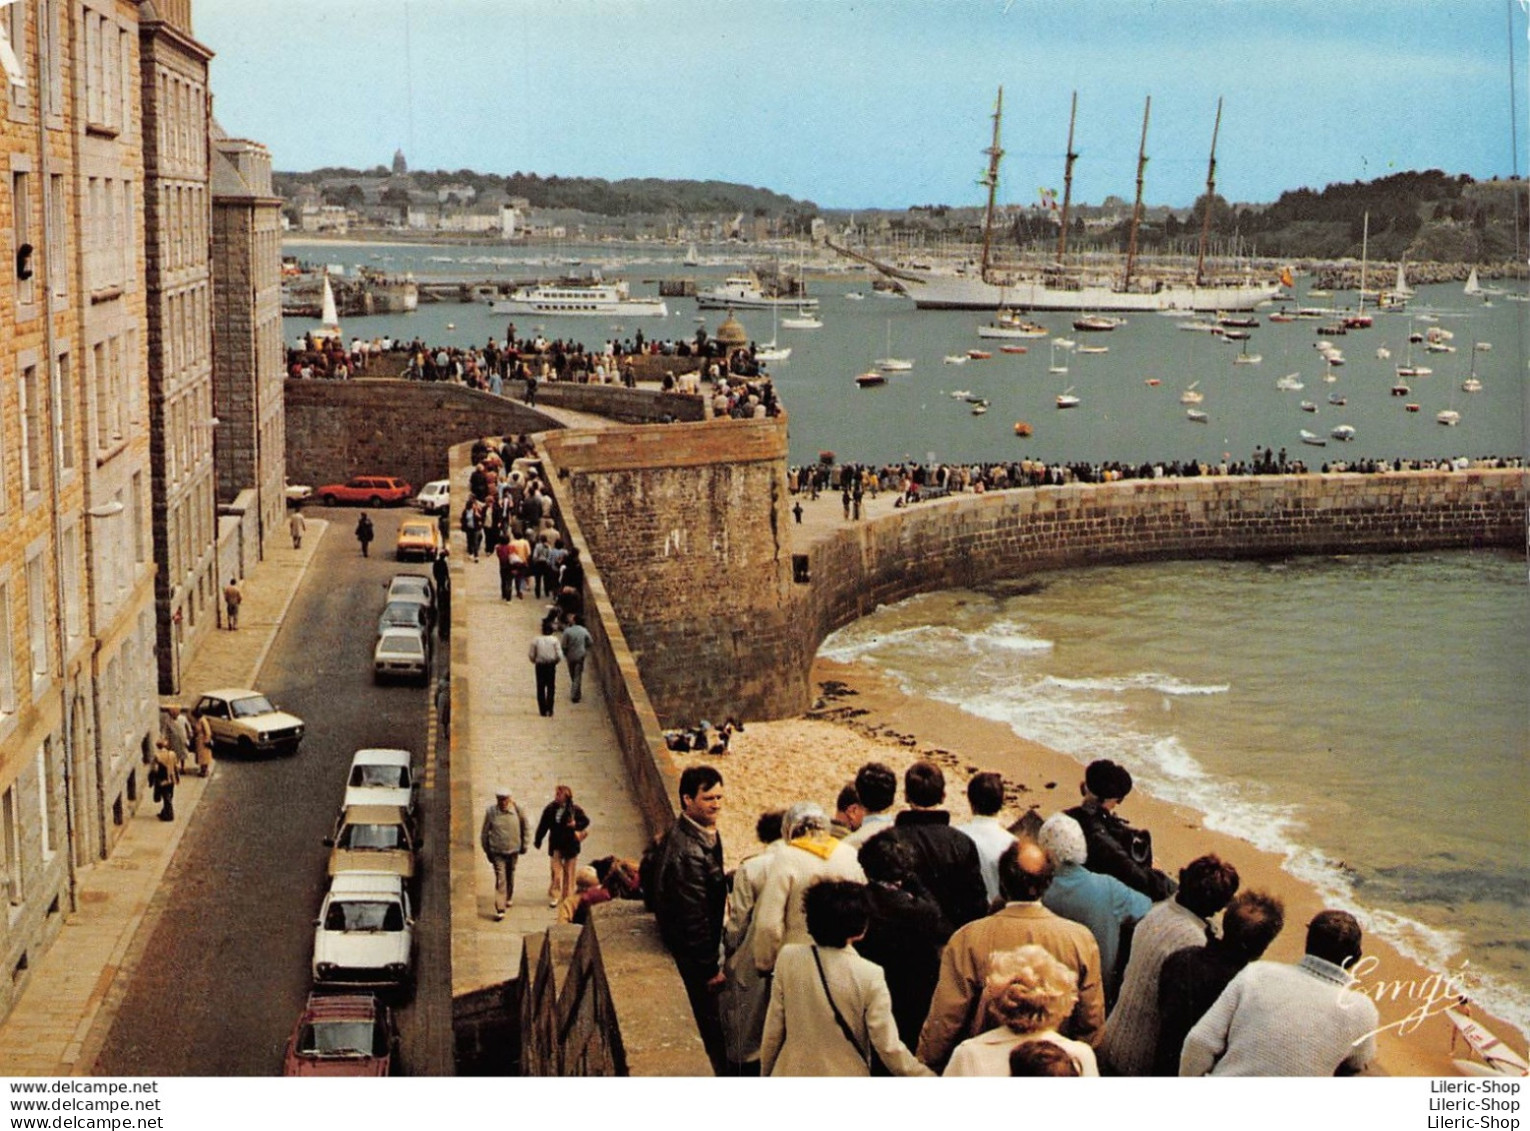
x=418 y=538
x=370 y=490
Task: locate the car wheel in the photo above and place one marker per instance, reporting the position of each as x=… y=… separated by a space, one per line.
x=327 y=500
x=246 y=748
x=374 y=501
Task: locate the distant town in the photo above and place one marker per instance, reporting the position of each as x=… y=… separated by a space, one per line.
x=1418 y=216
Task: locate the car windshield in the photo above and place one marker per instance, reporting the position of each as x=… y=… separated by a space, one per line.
x=403 y=644
x=416 y=530
x=380 y=777
x=408 y=589
x=337 y=1038
x=364 y=915
x=372 y=837
x=251 y=706
x=402 y=612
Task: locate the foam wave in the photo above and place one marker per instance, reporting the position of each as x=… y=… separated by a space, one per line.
x=1141 y=681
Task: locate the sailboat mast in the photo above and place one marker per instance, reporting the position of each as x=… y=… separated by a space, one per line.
x=1365 y=244
x=1211 y=192
x=991 y=179
x=1062 y=235
x=1131 y=243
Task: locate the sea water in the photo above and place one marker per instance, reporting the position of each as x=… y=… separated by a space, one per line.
x=1364 y=717
x=1120 y=416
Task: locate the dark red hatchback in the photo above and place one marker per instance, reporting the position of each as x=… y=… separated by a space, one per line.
x=343 y=1035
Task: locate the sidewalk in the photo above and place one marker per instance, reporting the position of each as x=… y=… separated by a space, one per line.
x=63 y=1016
x=499 y=739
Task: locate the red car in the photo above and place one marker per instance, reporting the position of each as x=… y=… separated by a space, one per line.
x=370 y=490
x=342 y=1035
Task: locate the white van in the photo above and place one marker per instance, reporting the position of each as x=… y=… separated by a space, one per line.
x=435 y=497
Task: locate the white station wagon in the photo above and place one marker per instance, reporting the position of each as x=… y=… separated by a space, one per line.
x=364 y=935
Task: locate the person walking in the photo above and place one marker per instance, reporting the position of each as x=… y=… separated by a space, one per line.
x=297 y=525
x=163 y=778
x=503 y=838
x=576 y=645
x=564 y=826
x=233 y=597
x=545 y=652
x=177 y=731
x=202 y=743
x=364 y=533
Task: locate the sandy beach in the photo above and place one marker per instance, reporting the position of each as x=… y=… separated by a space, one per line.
x=862 y=716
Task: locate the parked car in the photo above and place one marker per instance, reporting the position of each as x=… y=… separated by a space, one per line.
x=342 y=1035
x=414 y=587
x=372 y=838
x=364 y=935
x=248 y=722
x=405 y=614
x=417 y=538
x=435 y=497
x=401 y=652
x=297 y=493
x=383 y=776
x=370 y=490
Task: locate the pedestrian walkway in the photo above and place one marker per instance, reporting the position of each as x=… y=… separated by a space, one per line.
x=58 y=1025
x=499 y=739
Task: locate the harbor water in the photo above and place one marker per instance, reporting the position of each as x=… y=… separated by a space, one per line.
x=1364 y=717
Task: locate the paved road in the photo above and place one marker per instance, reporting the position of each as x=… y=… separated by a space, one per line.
x=226 y=969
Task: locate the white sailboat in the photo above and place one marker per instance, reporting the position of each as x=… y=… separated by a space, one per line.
x=890 y=364
x=802 y=320
x=329 y=315
x=1066 y=399
x=770 y=351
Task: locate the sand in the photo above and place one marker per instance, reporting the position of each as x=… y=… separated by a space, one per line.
x=863 y=716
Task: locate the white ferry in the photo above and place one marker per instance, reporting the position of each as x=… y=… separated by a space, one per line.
x=580 y=300
x=741 y=292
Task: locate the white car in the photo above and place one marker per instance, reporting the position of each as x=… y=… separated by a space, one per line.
x=364 y=935
x=382 y=776
x=413 y=587
x=435 y=497
x=248 y=722
x=401 y=652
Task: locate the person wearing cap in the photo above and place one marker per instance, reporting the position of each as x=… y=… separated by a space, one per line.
x=503 y=838
x=1115 y=848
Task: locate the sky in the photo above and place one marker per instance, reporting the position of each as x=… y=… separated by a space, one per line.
x=881 y=103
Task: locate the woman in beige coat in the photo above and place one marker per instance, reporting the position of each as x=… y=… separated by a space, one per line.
x=830 y=1013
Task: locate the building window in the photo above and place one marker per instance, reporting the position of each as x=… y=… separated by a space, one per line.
x=21 y=221
x=57 y=237
x=37 y=615
x=135 y=512
x=15 y=17
x=47 y=787
x=7 y=669
x=70 y=570
x=63 y=397
x=10 y=863
x=32 y=441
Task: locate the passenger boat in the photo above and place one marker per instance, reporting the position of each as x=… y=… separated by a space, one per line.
x=578 y=300
x=743 y=292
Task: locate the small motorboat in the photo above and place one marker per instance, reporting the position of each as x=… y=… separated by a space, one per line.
x=1192 y=395
x=960 y=394
x=956 y=359
x=1290 y=383
x=1314 y=439
x=802 y=321
x=1235 y=335
x=980 y=408
x=1448 y=416
x=1095 y=323
x=1066 y=399
x=894 y=364
x=871 y=379
x=1338 y=399
x=1282 y=316
x=1412 y=406
x=1248 y=359
x=973 y=398
x=1093 y=349
x=1401 y=389
x=1063 y=343
x=1383 y=353
x=1309 y=406
x=1482 y=347
x=1414 y=371
x=1342 y=432
x=1012 y=349
x=979 y=355
x=1196 y=415
x=854 y=296
x=1022 y=428
x=1153 y=382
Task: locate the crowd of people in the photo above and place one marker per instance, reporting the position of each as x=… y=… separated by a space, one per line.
x=915 y=481
x=882 y=940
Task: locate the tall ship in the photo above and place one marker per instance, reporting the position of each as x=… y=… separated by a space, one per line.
x=580 y=299
x=1060 y=286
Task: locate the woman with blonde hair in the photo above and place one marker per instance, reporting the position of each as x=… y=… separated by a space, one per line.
x=1028 y=993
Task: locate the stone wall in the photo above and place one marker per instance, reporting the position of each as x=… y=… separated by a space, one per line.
x=337 y=429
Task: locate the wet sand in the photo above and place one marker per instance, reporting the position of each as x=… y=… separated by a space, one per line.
x=863 y=716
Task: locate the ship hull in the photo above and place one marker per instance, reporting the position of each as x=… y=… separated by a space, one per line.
x=631 y=308
x=937 y=292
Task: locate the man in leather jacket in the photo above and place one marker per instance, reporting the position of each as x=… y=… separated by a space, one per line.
x=1115 y=848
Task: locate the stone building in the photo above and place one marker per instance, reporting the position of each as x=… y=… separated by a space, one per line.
x=177 y=239
x=77 y=707
x=248 y=371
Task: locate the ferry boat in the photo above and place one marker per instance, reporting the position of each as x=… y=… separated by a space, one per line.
x=580 y=300
x=742 y=292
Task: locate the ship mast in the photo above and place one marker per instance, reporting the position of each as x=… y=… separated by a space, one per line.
x=1062 y=236
x=1131 y=243
x=991 y=179
x=1211 y=192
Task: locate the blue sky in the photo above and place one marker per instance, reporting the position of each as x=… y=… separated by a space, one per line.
x=879 y=103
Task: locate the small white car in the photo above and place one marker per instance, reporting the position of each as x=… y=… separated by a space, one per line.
x=401 y=652
x=435 y=497
x=364 y=935
x=246 y=721
x=382 y=776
